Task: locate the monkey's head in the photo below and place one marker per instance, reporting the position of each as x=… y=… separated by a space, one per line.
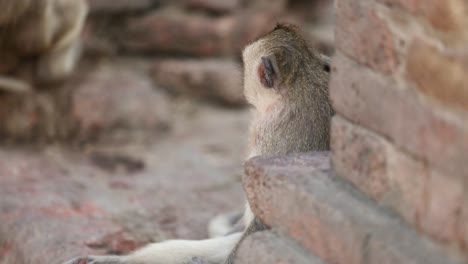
x=280 y=66
x=11 y=11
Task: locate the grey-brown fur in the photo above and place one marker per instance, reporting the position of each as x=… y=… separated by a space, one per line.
x=12 y=10
x=300 y=121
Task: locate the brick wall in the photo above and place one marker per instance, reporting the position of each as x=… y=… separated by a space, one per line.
x=400 y=88
x=396 y=188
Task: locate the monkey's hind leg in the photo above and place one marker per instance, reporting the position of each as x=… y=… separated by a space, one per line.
x=96 y=260
x=118 y=260
x=60 y=60
x=226 y=224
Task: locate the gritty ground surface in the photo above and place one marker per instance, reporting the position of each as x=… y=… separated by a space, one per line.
x=56 y=203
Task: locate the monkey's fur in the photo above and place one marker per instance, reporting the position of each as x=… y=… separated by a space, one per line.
x=288 y=86
x=39 y=41
x=293 y=114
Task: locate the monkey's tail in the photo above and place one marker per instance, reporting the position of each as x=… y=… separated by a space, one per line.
x=14 y=85
x=225 y=224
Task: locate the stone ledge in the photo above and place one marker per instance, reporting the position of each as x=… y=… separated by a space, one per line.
x=268 y=247
x=299 y=195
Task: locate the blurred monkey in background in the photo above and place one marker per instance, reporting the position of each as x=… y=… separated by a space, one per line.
x=39 y=41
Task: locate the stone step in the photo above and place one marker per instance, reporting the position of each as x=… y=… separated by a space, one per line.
x=299 y=195
x=268 y=247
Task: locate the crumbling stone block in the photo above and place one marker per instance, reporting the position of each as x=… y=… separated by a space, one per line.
x=268 y=247
x=300 y=196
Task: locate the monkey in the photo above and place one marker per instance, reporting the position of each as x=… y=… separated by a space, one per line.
x=41 y=36
x=287 y=85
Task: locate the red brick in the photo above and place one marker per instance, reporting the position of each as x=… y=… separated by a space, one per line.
x=438 y=76
x=444 y=204
x=449 y=15
x=364 y=36
x=425 y=198
x=176 y=31
x=267 y=247
x=376 y=169
x=211 y=79
x=116 y=99
x=329 y=218
x=119 y=5
x=422 y=129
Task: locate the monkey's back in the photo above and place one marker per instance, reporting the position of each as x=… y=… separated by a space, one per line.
x=288 y=130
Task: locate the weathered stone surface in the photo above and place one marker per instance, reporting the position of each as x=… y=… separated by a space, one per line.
x=56 y=204
x=273 y=5
x=425 y=198
x=212 y=79
x=443 y=209
x=447 y=16
x=364 y=36
x=112 y=99
x=36 y=115
x=375 y=168
x=418 y=126
x=439 y=76
x=462 y=226
x=328 y=217
x=267 y=247
x=176 y=31
x=217 y=6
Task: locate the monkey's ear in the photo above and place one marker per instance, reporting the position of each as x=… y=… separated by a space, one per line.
x=268 y=71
